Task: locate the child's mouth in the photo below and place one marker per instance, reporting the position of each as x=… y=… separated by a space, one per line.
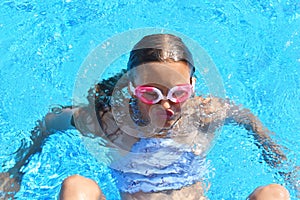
x=166 y=114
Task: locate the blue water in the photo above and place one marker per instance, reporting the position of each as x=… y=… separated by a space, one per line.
x=254 y=44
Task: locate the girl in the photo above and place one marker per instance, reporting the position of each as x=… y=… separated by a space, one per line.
x=162 y=131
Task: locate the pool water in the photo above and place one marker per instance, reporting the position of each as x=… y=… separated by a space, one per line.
x=254 y=44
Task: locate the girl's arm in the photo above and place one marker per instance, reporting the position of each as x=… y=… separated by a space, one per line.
x=85 y=119
x=272 y=152
x=224 y=111
x=52 y=122
x=60 y=119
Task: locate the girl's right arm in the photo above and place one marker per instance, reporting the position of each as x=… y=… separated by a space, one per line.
x=61 y=120
x=52 y=122
x=84 y=119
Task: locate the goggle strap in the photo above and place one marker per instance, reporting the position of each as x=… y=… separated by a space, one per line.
x=131 y=88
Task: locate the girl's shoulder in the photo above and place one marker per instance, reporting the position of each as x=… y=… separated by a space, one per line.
x=209 y=102
x=208 y=107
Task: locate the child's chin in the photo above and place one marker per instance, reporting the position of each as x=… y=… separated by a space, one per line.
x=164 y=122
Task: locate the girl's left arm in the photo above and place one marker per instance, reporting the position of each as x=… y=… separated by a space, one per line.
x=272 y=152
x=220 y=111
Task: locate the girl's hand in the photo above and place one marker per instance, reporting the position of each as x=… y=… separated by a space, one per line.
x=9 y=185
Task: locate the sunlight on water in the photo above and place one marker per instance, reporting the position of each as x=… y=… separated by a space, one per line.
x=255 y=45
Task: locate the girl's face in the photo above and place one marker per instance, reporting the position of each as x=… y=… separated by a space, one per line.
x=164 y=76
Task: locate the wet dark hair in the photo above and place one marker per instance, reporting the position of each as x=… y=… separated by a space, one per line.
x=160 y=48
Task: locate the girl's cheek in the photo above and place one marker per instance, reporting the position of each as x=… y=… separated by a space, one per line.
x=144 y=108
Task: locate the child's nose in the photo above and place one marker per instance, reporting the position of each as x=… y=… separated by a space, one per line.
x=165 y=104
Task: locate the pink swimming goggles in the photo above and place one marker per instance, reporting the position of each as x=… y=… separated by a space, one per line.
x=152 y=95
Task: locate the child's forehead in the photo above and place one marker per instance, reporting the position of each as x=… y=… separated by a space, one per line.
x=161 y=73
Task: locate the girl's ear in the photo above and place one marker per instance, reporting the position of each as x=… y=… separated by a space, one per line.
x=193 y=83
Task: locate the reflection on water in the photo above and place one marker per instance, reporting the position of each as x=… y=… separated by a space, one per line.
x=255 y=44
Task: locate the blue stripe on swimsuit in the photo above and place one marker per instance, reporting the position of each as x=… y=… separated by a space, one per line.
x=157 y=164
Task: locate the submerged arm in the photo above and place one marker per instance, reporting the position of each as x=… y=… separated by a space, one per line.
x=45 y=127
x=217 y=111
x=220 y=110
x=84 y=119
x=10 y=180
x=272 y=153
